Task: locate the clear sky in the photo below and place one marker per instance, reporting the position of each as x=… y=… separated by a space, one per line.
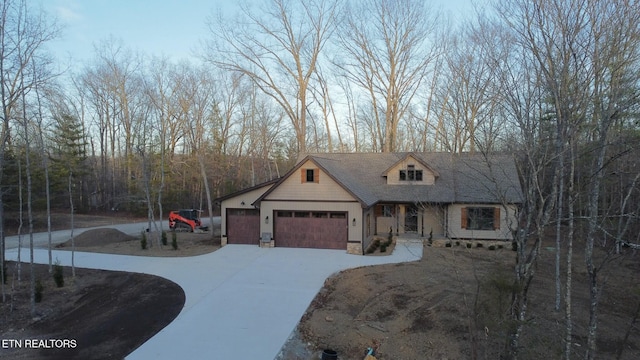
x=172 y=28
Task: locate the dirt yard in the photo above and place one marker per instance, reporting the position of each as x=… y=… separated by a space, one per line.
x=452 y=304
x=103 y=314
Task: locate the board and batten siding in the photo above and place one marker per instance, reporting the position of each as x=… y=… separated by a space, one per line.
x=433 y=221
x=393 y=174
x=322 y=188
x=455 y=224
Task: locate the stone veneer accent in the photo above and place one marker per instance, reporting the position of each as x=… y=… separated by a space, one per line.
x=354 y=248
x=269 y=244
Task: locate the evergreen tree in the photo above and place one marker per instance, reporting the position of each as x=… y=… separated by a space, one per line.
x=69 y=159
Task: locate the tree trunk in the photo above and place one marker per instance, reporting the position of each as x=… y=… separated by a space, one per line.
x=73 y=242
x=569 y=273
x=593 y=213
x=559 y=210
x=45 y=165
x=203 y=172
x=32 y=282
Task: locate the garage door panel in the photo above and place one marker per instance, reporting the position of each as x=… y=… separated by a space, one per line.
x=312 y=232
x=243 y=226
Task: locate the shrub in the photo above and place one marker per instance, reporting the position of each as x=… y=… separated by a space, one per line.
x=468 y=245
x=143 y=241
x=457 y=243
x=492 y=247
x=447 y=244
x=479 y=245
x=38 y=291
x=383 y=247
x=500 y=246
x=164 y=238
x=58 y=274
x=514 y=246
x=174 y=241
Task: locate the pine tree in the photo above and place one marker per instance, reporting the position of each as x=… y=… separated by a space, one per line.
x=69 y=158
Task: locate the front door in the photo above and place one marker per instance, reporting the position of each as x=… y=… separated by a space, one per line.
x=411 y=219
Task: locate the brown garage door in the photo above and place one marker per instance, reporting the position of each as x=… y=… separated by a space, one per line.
x=243 y=226
x=311 y=229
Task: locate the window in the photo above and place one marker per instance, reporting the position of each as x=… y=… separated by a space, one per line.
x=387 y=210
x=481 y=218
x=310 y=175
x=411 y=174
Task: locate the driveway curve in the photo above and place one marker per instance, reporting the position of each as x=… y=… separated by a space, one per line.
x=242 y=301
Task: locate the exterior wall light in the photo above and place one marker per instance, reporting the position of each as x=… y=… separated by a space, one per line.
x=266 y=219
x=353 y=222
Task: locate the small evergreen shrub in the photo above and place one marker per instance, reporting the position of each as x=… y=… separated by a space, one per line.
x=174 y=241
x=457 y=243
x=479 y=245
x=383 y=247
x=58 y=274
x=143 y=241
x=468 y=245
x=514 y=246
x=164 y=238
x=447 y=244
x=492 y=247
x=38 y=291
x=500 y=246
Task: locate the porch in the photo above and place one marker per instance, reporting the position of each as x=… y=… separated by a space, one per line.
x=410 y=220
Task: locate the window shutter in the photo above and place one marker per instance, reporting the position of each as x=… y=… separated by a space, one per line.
x=378 y=210
x=463 y=218
x=496 y=218
x=316 y=175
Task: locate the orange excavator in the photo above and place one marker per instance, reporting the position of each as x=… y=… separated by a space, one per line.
x=186 y=219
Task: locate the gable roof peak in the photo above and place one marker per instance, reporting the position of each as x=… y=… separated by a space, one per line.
x=415 y=157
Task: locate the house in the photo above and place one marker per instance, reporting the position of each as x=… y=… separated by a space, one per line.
x=341 y=201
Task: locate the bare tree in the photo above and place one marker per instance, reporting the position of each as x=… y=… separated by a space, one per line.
x=466 y=97
x=521 y=104
x=23 y=35
x=277 y=47
x=389 y=49
x=585 y=68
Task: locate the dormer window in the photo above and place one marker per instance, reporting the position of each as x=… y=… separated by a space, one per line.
x=411 y=174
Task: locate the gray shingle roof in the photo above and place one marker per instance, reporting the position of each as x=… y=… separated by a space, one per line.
x=464 y=178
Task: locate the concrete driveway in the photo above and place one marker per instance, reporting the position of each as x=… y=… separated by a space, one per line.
x=242 y=302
